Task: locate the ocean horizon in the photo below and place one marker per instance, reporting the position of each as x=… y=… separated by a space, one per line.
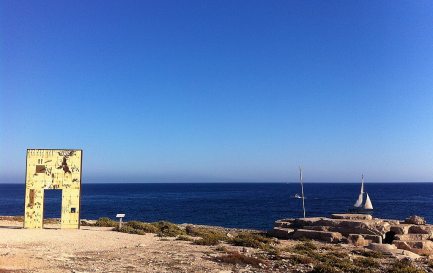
x=236 y=205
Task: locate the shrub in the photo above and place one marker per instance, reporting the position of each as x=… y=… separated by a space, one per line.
x=146 y=227
x=404 y=266
x=249 y=239
x=368 y=253
x=184 y=238
x=208 y=236
x=300 y=259
x=106 y=222
x=238 y=258
x=167 y=229
x=324 y=268
x=128 y=229
x=366 y=262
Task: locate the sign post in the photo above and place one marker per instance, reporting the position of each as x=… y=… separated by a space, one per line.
x=120 y=216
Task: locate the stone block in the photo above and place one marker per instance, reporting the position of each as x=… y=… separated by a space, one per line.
x=281 y=233
x=351 y=216
x=422 y=229
x=412 y=237
x=415 y=220
x=418 y=247
x=383 y=248
x=400 y=228
x=356 y=240
x=324 y=236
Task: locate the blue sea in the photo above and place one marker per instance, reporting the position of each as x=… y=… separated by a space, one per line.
x=239 y=205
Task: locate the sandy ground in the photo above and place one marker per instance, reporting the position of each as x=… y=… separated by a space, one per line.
x=95 y=249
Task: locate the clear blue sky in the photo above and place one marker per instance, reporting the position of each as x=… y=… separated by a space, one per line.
x=177 y=91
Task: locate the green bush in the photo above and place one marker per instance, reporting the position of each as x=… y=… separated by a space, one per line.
x=208 y=236
x=106 y=222
x=249 y=239
x=184 y=238
x=404 y=266
x=300 y=259
x=146 y=227
x=324 y=268
x=131 y=230
x=238 y=258
x=167 y=229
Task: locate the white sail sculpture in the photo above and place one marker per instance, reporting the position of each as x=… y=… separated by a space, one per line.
x=358 y=205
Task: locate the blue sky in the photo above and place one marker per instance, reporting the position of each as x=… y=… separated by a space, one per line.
x=220 y=91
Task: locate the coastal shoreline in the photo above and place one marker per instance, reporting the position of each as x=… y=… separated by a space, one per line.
x=102 y=249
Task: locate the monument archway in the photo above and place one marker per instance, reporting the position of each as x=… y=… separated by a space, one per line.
x=53 y=169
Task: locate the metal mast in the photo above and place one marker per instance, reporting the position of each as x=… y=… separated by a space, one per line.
x=302 y=189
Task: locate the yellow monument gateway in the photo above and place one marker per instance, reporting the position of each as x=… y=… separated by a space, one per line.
x=49 y=169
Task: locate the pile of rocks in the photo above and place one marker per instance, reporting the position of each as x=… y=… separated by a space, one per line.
x=412 y=235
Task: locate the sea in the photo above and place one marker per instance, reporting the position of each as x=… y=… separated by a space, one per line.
x=234 y=205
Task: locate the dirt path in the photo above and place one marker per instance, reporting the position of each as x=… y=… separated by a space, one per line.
x=94 y=249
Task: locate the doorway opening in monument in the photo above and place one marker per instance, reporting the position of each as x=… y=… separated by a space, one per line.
x=52 y=208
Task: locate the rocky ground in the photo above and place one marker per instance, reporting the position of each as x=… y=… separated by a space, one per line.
x=100 y=249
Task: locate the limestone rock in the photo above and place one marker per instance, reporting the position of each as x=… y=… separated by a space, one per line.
x=384 y=248
x=418 y=247
x=319 y=228
x=400 y=228
x=356 y=240
x=416 y=220
x=282 y=233
x=324 y=236
x=425 y=229
x=373 y=238
x=350 y=216
x=412 y=237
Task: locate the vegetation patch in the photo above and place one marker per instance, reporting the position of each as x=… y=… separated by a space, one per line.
x=167 y=229
x=404 y=266
x=368 y=253
x=184 y=238
x=208 y=236
x=145 y=227
x=106 y=222
x=250 y=239
x=238 y=258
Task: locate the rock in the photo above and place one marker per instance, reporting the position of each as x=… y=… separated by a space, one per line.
x=384 y=248
x=412 y=237
x=372 y=227
x=319 y=228
x=422 y=229
x=285 y=223
x=416 y=220
x=410 y=255
x=356 y=240
x=350 y=216
x=85 y=222
x=301 y=222
x=281 y=233
x=324 y=236
x=418 y=247
x=373 y=238
x=400 y=228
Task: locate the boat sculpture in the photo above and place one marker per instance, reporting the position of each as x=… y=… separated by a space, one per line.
x=359 y=207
